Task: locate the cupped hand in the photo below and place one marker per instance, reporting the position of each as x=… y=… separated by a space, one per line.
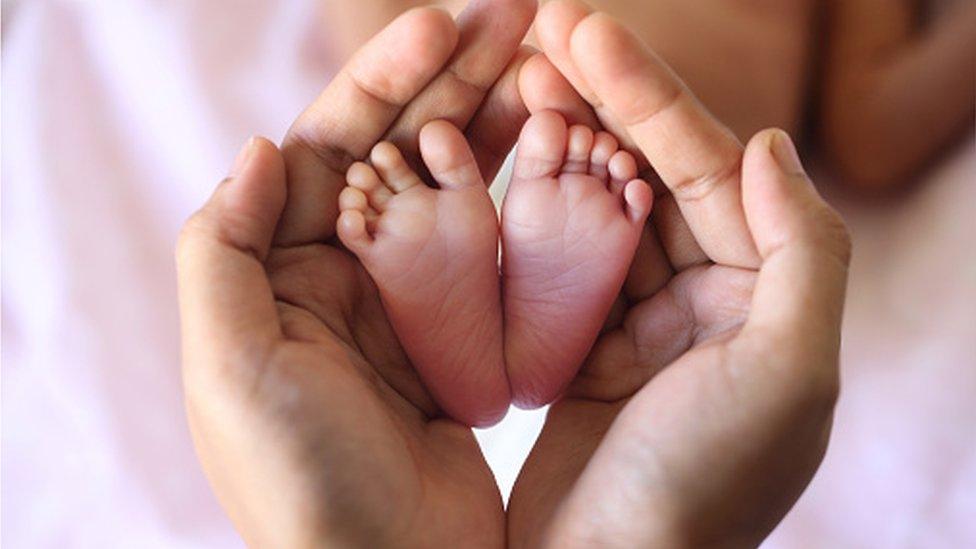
x=705 y=407
x=311 y=424
x=701 y=412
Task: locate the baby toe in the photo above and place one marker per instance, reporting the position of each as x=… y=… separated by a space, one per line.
x=363 y=177
x=448 y=156
x=604 y=146
x=622 y=168
x=352 y=198
x=541 y=147
x=580 y=145
x=352 y=230
x=393 y=168
x=638 y=198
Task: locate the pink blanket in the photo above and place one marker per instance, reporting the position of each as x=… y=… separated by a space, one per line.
x=120 y=117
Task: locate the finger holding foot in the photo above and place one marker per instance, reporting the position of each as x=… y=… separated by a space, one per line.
x=353 y=112
x=542 y=87
x=696 y=156
x=490 y=35
x=555 y=24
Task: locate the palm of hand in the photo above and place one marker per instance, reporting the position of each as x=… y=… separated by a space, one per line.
x=660 y=428
x=327 y=429
x=340 y=374
x=650 y=377
x=704 y=409
x=325 y=432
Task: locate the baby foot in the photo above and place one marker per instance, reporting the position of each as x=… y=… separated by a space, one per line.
x=433 y=254
x=571 y=221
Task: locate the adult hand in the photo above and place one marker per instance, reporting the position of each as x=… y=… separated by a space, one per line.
x=311 y=424
x=705 y=408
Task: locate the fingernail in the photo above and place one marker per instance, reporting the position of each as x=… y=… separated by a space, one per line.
x=240 y=162
x=785 y=153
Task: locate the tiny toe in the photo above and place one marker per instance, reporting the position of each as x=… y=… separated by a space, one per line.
x=622 y=168
x=352 y=198
x=541 y=146
x=638 y=197
x=448 y=156
x=604 y=146
x=578 y=151
x=351 y=228
x=362 y=176
x=393 y=168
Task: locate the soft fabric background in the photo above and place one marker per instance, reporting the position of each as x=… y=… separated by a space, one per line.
x=118 y=119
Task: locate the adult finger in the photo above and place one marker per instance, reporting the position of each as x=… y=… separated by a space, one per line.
x=490 y=34
x=227 y=309
x=799 y=294
x=495 y=126
x=544 y=88
x=554 y=27
x=553 y=82
x=676 y=237
x=352 y=114
x=696 y=157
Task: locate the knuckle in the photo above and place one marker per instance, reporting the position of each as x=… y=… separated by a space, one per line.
x=694 y=189
x=467 y=85
x=331 y=154
x=836 y=235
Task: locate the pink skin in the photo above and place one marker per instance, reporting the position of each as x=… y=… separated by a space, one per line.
x=571 y=222
x=433 y=254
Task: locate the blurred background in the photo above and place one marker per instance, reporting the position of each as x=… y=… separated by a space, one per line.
x=119 y=117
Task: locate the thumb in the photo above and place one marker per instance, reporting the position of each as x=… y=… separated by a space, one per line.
x=226 y=305
x=805 y=249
